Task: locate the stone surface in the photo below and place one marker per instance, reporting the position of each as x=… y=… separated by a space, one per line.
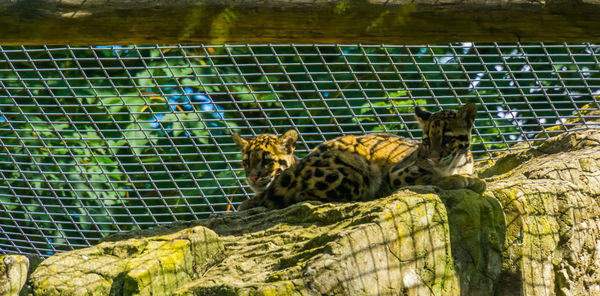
x=553 y=217
x=34 y=261
x=137 y=266
x=361 y=248
x=397 y=245
x=13 y=274
x=535 y=231
x=400 y=244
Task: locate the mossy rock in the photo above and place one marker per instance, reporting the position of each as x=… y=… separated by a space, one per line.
x=153 y=265
x=13 y=274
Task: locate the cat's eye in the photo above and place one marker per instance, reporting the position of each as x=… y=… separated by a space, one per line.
x=268 y=162
x=448 y=139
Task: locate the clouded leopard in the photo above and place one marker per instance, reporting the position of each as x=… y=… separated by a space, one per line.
x=345 y=168
x=443 y=157
x=362 y=167
x=266 y=156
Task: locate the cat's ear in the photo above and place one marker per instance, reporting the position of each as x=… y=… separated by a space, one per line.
x=422 y=115
x=467 y=114
x=288 y=140
x=239 y=141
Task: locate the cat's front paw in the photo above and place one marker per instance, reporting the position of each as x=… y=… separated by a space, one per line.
x=253 y=202
x=477 y=185
x=462 y=182
x=451 y=182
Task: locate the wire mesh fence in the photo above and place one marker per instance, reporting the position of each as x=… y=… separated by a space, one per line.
x=96 y=140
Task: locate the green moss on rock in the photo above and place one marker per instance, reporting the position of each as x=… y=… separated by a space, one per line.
x=402 y=245
x=13 y=274
x=138 y=266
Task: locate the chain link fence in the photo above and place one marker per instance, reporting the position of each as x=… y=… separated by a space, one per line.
x=97 y=140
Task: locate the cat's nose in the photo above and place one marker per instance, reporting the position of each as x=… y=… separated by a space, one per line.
x=436 y=160
x=253 y=178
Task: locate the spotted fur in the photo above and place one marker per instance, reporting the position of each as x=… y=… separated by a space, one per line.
x=343 y=169
x=266 y=156
x=443 y=158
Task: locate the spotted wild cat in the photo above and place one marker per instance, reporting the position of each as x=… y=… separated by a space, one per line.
x=345 y=168
x=266 y=156
x=444 y=157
